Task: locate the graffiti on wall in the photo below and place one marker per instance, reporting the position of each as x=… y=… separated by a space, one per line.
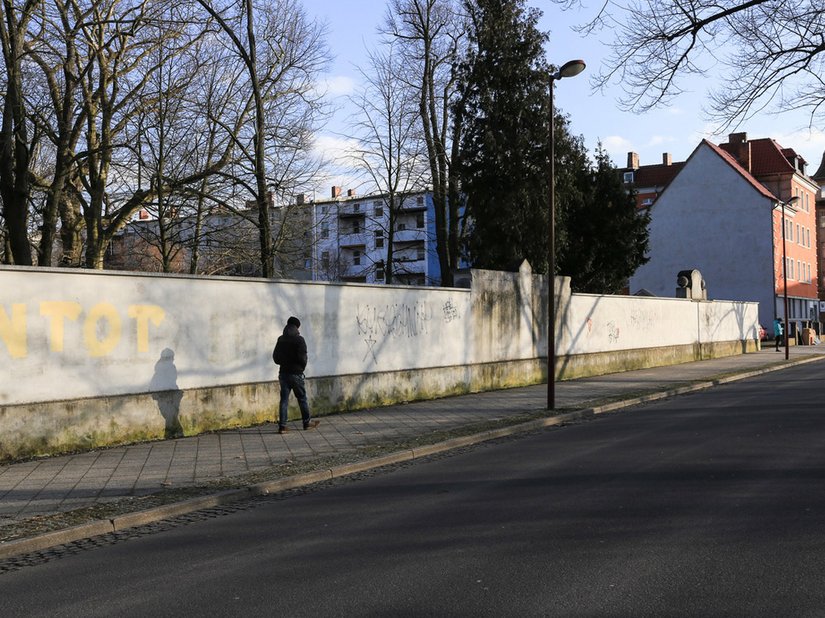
x=401 y=320
x=101 y=327
x=612 y=332
x=450 y=311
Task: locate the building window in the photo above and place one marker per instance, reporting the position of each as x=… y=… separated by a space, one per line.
x=420 y=253
x=356 y=208
x=628 y=177
x=325 y=259
x=379 y=239
x=325 y=230
x=356 y=258
x=379 y=211
x=797 y=235
x=419 y=200
x=379 y=275
x=401 y=227
x=419 y=220
x=356 y=227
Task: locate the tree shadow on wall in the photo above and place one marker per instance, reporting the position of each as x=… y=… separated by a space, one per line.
x=167 y=395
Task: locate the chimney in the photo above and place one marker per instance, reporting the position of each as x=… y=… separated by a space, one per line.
x=350 y=192
x=740 y=148
x=336 y=191
x=300 y=199
x=667 y=158
x=633 y=160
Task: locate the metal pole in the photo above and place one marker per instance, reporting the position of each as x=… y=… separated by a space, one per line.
x=785 y=280
x=551 y=263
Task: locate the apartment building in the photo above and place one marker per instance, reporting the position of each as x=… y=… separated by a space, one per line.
x=819 y=178
x=722 y=214
x=649 y=181
x=357 y=237
x=345 y=237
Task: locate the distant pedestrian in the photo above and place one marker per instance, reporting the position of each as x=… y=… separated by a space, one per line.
x=777 y=332
x=291 y=354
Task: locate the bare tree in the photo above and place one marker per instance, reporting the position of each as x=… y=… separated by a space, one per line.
x=282 y=52
x=432 y=34
x=16 y=143
x=770 y=53
x=53 y=48
x=390 y=151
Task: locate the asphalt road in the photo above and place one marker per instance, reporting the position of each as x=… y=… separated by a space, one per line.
x=706 y=504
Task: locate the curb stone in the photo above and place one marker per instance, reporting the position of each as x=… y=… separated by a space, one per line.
x=47 y=540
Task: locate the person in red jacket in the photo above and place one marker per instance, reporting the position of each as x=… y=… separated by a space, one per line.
x=291 y=354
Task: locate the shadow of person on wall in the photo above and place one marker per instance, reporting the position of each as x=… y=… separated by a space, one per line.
x=167 y=395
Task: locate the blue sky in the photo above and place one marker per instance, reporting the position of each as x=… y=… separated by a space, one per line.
x=676 y=129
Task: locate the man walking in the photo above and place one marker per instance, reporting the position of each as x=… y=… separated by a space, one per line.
x=291 y=354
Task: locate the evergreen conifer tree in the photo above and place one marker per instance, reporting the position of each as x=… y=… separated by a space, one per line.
x=607 y=236
x=504 y=145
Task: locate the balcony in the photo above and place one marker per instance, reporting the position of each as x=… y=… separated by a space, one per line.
x=411 y=204
x=410 y=235
x=353 y=241
x=409 y=265
x=353 y=211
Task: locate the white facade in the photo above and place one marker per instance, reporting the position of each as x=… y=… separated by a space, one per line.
x=353 y=235
x=713 y=219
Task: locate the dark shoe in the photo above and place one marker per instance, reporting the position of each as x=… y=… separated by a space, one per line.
x=311 y=425
x=283 y=430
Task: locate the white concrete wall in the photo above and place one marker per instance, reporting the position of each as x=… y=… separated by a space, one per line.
x=92 y=359
x=68 y=334
x=609 y=323
x=710 y=218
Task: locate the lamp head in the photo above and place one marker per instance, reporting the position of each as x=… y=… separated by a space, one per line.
x=571 y=68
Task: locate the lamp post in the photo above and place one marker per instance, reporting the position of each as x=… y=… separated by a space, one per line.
x=793 y=200
x=568 y=69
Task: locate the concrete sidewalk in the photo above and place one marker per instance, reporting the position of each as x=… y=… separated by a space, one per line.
x=61 y=492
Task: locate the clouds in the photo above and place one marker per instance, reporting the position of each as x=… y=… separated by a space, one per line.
x=339 y=155
x=337 y=85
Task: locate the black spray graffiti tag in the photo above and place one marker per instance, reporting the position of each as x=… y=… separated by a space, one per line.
x=450 y=311
x=378 y=323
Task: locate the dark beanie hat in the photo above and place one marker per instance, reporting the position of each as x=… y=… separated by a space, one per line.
x=294 y=322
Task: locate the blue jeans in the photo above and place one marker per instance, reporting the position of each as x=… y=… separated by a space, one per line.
x=293 y=382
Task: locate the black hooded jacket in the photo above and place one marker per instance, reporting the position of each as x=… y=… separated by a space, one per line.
x=291 y=351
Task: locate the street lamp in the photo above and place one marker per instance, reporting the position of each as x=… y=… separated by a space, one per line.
x=568 y=69
x=792 y=200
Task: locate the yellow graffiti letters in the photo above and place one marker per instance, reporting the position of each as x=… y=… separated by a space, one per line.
x=102 y=312
x=101 y=327
x=143 y=314
x=13 y=330
x=58 y=312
